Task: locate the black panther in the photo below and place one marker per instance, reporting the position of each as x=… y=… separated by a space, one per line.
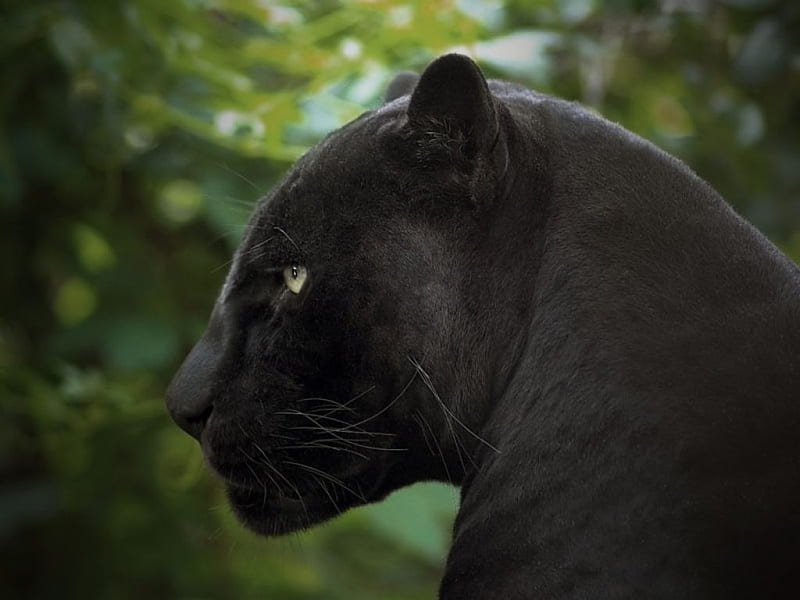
x=481 y=284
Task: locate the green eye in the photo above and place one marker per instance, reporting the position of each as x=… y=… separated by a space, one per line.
x=294 y=277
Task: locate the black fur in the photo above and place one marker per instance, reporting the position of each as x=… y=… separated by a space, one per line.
x=510 y=293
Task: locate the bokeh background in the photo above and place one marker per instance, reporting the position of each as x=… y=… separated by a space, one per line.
x=134 y=139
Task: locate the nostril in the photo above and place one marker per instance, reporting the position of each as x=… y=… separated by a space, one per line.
x=198 y=422
x=193 y=422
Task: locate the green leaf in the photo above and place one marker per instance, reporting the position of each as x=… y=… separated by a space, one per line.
x=418 y=517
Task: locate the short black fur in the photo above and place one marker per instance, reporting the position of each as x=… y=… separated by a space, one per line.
x=510 y=293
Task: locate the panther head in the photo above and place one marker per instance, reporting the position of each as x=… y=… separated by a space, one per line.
x=357 y=343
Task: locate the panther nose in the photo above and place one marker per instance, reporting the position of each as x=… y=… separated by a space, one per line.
x=189 y=395
x=190 y=416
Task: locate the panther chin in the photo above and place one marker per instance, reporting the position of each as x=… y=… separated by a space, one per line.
x=271 y=516
x=299 y=508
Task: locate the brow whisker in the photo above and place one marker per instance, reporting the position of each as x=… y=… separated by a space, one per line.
x=240 y=176
x=287 y=236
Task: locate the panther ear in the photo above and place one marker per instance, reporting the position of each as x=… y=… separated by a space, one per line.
x=402 y=84
x=452 y=94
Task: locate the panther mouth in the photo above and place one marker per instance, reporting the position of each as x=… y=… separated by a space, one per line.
x=306 y=468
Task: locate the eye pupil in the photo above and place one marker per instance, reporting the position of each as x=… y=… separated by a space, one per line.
x=294 y=277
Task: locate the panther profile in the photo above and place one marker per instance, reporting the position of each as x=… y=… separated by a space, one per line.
x=481 y=284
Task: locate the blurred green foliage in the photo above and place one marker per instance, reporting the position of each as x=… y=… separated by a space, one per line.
x=134 y=138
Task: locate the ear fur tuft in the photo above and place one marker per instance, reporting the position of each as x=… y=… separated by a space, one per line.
x=452 y=90
x=452 y=128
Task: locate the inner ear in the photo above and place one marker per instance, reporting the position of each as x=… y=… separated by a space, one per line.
x=401 y=85
x=453 y=93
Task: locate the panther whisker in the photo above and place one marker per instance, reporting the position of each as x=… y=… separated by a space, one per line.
x=227 y=263
x=231 y=201
x=438 y=447
x=416 y=416
x=456 y=441
x=326 y=431
x=255 y=247
x=276 y=484
x=340 y=440
x=347 y=429
x=344 y=426
x=262 y=463
x=258 y=479
x=247 y=253
x=275 y=435
x=342 y=414
x=367 y=447
x=268 y=463
x=233 y=205
x=334 y=433
x=242 y=177
x=337 y=405
x=228 y=229
x=328 y=476
x=292 y=411
x=326 y=416
x=359 y=395
x=389 y=405
x=259 y=226
x=427 y=378
x=244 y=431
x=287 y=236
x=316 y=444
x=324 y=487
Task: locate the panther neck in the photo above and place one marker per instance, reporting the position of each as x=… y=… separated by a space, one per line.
x=568 y=510
x=634 y=458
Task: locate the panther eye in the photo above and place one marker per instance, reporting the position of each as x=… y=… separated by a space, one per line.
x=295 y=277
